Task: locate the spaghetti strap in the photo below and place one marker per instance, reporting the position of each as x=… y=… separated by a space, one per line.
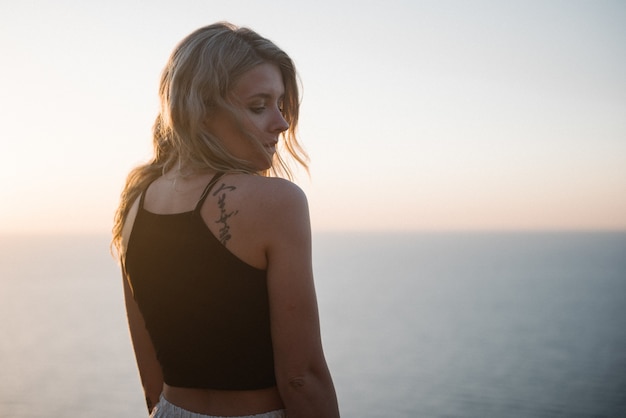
x=142 y=196
x=207 y=190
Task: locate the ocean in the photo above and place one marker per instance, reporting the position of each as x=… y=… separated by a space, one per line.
x=414 y=325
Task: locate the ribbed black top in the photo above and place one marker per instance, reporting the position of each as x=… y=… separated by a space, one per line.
x=206 y=310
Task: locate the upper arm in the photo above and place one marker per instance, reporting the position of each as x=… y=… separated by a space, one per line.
x=145 y=354
x=293 y=304
x=150 y=371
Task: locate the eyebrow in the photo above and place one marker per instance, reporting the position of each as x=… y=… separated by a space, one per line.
x=265 y=96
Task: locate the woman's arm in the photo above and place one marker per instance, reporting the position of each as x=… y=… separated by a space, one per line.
x=303 y=377
x=145 y=354
x=147 y=363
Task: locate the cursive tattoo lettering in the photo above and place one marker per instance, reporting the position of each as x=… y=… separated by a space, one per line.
x=225 y=234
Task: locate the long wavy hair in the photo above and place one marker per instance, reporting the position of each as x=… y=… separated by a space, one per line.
x=197 y=79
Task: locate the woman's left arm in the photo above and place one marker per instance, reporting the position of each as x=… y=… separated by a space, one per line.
x=150 y=371
x=149 y=368
x=303 y=378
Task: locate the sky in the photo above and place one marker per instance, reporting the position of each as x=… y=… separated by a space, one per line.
x=417 y=115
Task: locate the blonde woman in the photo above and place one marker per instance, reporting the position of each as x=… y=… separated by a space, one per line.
x=216 y=248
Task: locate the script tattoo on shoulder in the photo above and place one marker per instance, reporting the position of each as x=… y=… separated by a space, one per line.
x=224 y=235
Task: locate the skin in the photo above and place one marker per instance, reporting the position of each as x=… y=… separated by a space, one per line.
x=259 y=95
x=265 y=223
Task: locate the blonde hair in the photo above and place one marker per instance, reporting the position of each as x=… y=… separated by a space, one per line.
x=197 y=79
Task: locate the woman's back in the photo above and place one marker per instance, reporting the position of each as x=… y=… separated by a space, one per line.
x=239 y=211
x=206 y=310
x=232 y=211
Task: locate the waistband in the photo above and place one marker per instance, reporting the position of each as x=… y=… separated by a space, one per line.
x=165 y=409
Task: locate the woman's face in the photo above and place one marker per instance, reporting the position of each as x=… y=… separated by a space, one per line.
x=258 y=95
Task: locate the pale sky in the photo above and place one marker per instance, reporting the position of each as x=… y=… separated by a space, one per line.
x=418 y=115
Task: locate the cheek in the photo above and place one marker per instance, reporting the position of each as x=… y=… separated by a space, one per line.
x=225 y=128
x=252 y=123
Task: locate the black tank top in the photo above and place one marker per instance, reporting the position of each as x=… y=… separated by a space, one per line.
x=207 y=311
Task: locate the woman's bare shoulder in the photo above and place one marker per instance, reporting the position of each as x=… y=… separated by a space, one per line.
x=269 y=192
x=272 y=204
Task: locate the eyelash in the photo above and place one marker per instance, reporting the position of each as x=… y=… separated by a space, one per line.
x=260 y=109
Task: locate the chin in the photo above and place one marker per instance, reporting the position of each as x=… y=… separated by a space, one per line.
x=264 y=167
x=263 y=164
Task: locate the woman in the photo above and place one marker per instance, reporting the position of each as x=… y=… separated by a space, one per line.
x=216 y=255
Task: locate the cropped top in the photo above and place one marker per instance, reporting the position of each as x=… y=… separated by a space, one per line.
x=207 y=311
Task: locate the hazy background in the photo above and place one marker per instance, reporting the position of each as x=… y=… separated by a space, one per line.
x=417 y=114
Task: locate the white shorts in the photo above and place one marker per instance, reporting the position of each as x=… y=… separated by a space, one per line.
x=164 y=409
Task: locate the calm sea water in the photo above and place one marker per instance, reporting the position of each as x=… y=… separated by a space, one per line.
x=414 y=325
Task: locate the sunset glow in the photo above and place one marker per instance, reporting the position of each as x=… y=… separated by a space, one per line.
x=416 y=115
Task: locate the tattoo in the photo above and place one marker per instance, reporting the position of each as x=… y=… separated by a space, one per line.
x=224 y=216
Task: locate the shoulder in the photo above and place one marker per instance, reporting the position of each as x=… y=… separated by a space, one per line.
x=252 y=214
x=273 y=208
x=269 y=193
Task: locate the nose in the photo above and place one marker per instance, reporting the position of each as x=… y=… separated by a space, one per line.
x=279 y=124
